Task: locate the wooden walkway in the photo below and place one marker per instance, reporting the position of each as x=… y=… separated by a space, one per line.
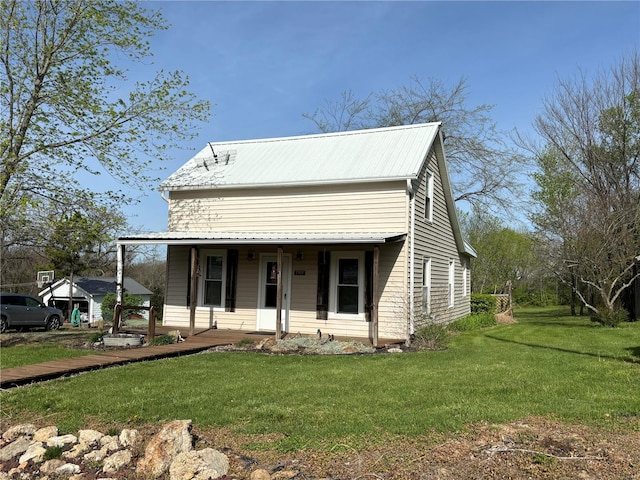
x=203 y=340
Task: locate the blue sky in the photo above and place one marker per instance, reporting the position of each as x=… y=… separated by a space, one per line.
x=263 y=64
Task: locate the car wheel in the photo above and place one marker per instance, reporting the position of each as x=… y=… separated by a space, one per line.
x=53 y=323
x=3 y=324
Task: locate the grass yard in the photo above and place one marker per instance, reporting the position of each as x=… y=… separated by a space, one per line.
x=17 y=349
x=549 y=365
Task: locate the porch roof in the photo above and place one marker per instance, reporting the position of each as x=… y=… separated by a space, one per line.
x=254 y=238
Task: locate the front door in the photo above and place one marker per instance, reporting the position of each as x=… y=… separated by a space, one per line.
x=268 y=292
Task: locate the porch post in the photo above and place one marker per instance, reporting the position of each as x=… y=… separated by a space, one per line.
x=374 y=295
x=193 y=297
x=279 y=297
x=119 y=286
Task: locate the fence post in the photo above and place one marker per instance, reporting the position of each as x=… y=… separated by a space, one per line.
x=152 y=325
x=117 y=312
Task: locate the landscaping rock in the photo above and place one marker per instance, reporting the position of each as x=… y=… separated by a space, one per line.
x=129 y=437
x=162 y=449
x=260 y=474
x=204 y=464
x=117 y=461
x=89 y=437
x=15 y=448
x=62 y=440
x=24 y=430
x=44 y=434
x=35 y=453
x=50 y=466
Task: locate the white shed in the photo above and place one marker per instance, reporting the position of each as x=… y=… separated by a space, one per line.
x=89 y=292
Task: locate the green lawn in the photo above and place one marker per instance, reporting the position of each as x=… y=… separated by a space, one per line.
x=17 y=349
x=547 y=364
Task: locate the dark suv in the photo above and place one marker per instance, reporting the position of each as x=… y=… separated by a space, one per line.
x=17 y=311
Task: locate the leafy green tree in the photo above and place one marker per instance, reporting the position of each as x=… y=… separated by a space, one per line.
x=505 y=256
x=109 y=302
x=486 y=170
x=77 y=243
x=588 y=180
x=68 y=106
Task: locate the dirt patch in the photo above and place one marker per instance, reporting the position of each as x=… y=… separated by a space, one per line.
x=65 y=337
x=535 y=448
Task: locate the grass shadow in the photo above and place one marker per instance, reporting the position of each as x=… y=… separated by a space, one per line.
x=635 y=352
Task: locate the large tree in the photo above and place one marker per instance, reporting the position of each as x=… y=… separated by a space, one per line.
x=506 y=257
x=589 y=183
x=487 y=172
x=68 y=106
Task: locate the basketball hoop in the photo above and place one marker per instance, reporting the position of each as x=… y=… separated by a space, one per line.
x=45 y=277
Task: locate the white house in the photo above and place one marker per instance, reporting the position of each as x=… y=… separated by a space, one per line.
x=352 y=233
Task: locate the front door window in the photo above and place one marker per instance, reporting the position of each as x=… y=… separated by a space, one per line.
x=271 y=285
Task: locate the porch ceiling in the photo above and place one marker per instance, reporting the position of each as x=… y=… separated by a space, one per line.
x=251 y=238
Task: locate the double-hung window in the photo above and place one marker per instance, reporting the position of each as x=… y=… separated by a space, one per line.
x=428 y=198
x=426 y=285
x=348 y=284
x=213 y=276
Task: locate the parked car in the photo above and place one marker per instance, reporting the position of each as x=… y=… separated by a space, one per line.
x=17 y=311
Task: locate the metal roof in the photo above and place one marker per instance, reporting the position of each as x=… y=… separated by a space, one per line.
x=380 y=154
x=100 y=285
x=214 y=238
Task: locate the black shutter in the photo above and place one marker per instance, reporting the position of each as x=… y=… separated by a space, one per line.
x=189 y=279
x=368 y=284
x=232 y=281
x=322 y=301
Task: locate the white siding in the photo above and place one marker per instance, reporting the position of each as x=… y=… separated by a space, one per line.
x=436 y=241
x=359 y=208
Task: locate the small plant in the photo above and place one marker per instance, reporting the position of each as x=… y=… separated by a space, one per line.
x=245 y=342
x=431 y=335
x=610 y=318
x=163 y=340
x=113 y=432
x=542 y=459
x=97 y=337
x=53 y=452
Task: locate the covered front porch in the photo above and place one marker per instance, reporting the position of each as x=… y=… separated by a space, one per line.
x=277 y=283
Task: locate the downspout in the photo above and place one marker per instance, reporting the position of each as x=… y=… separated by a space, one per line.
x=164 y=197
x=412 y=263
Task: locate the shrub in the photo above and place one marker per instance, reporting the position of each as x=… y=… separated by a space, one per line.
x=473 y=322
x=163 y=340
x=53 y=452
x=483 y=303
x=610 y=318
x=431 y=335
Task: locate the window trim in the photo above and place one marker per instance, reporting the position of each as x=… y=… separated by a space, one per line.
x=452 y=283
x=428 y=197
x=426 y=283
x=333 y=286
x=465 y=279
x=203 y=275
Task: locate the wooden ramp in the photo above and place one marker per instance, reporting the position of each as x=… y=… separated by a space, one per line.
x=13 y=377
